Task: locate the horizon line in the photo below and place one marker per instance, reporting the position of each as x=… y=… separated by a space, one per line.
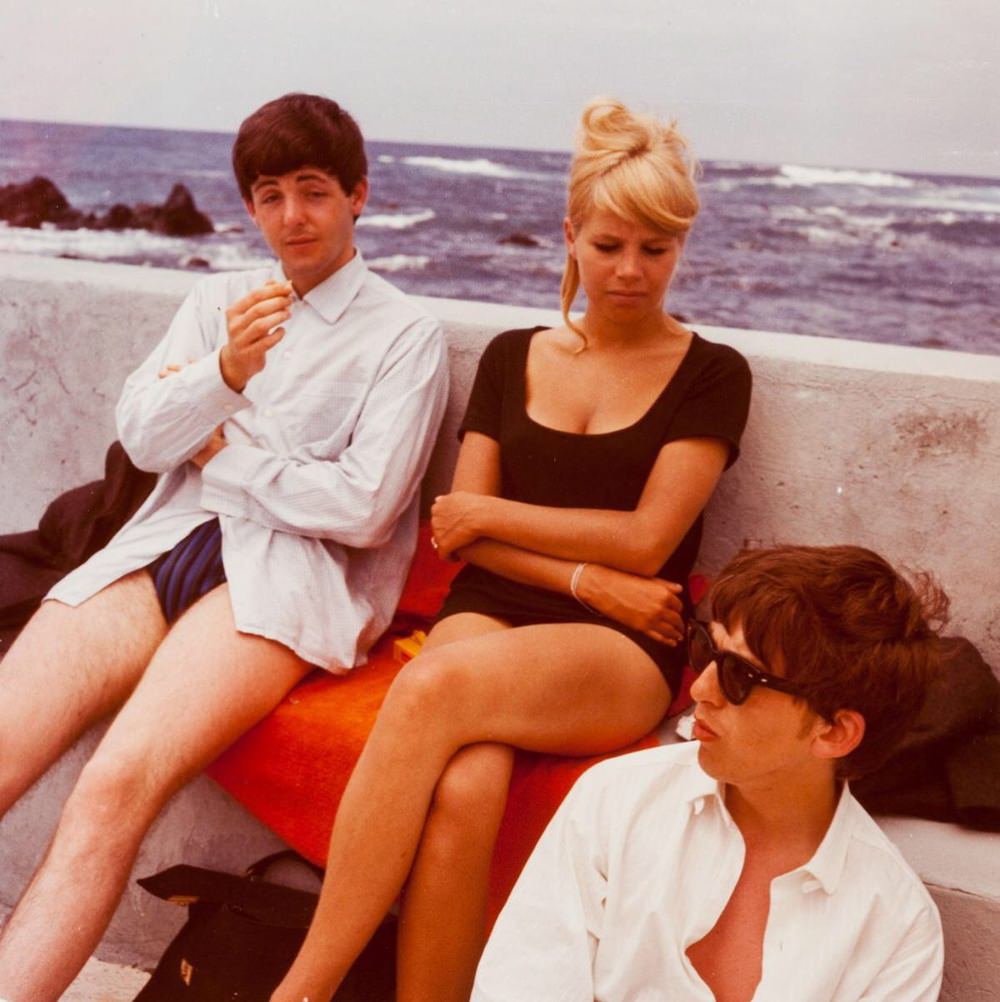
x=517 y=149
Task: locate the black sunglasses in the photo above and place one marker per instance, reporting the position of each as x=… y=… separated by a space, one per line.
x=737 y=676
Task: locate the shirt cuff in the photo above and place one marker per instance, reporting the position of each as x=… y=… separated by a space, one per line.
x=214 y=400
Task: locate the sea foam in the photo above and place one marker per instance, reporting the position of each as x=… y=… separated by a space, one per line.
x=791 y=174
x=401 y=221
x=400 y=262
x=480 y=166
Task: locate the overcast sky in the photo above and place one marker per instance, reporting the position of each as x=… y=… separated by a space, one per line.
x=903 y=84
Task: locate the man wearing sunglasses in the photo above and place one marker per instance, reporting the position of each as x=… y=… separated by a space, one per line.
x=740 y=866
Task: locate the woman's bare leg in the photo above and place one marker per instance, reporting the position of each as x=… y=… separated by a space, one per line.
x=442 y=928
x=562 y=688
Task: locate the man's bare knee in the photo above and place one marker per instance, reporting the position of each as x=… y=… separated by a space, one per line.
x=115 y=790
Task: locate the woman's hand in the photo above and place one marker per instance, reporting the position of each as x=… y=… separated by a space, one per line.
x=456 y=522
x=650 y=605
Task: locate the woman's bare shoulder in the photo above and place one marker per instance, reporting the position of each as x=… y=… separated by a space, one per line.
x=556 y=341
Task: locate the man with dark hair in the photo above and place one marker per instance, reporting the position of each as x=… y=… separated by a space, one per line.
x=290 y=412
x=739 y=866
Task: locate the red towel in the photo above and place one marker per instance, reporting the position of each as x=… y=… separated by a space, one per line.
x=291 y=769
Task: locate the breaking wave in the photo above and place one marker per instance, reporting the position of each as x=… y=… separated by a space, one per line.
x=480 y=166
x=400 y=262
x=401 y=221
x=791 y=174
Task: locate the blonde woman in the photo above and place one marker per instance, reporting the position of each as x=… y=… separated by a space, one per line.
x=588 y=454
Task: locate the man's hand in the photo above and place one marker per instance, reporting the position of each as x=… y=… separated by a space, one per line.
x=650 y=605
x=453 y=521
x=215 y=444
x=169 y=370
x=253 y=327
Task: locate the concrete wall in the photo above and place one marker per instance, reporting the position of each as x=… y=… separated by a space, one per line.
x=894 y=448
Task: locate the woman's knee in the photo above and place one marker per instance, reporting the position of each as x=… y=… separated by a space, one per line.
x=432 y=688
x=471 y=795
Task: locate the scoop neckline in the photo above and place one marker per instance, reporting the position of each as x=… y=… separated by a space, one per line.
x=598 y=434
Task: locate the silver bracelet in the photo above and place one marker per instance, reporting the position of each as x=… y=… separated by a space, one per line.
x=574 y=582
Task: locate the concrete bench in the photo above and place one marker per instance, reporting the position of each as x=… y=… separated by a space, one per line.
x=846 y=442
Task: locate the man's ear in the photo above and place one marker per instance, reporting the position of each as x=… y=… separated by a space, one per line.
x=569 y=236
x=839 y=737
x=358 y=197
x=248 y=203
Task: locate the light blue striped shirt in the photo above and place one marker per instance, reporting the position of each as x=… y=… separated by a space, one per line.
x=317 y=490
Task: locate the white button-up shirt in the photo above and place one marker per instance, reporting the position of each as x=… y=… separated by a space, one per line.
x=640 y=861
x=317 y=489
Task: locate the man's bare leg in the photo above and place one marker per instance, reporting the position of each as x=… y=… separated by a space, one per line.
x=69 y=668
x=205 y=686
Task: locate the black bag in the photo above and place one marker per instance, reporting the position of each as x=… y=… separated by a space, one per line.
x=242 y=935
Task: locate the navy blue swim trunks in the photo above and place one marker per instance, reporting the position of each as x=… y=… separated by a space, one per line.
x=191 y=569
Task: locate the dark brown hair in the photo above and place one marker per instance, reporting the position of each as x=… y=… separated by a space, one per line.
x=298 y=130
x=852 y=632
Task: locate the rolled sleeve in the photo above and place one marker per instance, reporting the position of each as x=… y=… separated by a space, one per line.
x=163 y=422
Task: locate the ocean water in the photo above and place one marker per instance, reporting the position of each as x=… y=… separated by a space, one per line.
x=864 y=254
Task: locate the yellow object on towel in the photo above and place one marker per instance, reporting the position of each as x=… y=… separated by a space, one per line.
x=405 y=648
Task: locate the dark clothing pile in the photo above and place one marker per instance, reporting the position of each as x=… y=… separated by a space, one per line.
x=948 y=767
x=74 y=527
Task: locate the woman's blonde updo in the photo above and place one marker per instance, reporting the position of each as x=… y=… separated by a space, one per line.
x=634 y=166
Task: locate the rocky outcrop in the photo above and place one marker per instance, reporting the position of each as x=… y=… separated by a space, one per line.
x=39 y=201
x=33 y=203
x=520 y=240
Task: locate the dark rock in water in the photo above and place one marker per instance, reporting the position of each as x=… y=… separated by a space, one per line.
x=144 y=216
x=30 y=204
x=118 y=217
x=28 y=219
x=520 y=240
x=177 y=217
x=39 y=201
x=180 y=217
x=74 y=219
x=195 y=262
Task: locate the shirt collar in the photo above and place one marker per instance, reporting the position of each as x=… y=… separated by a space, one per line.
x=828 y=861
x=334 y=294
x=702 y=789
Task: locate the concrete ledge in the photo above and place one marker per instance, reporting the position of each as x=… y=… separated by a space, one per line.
x=894 y=448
